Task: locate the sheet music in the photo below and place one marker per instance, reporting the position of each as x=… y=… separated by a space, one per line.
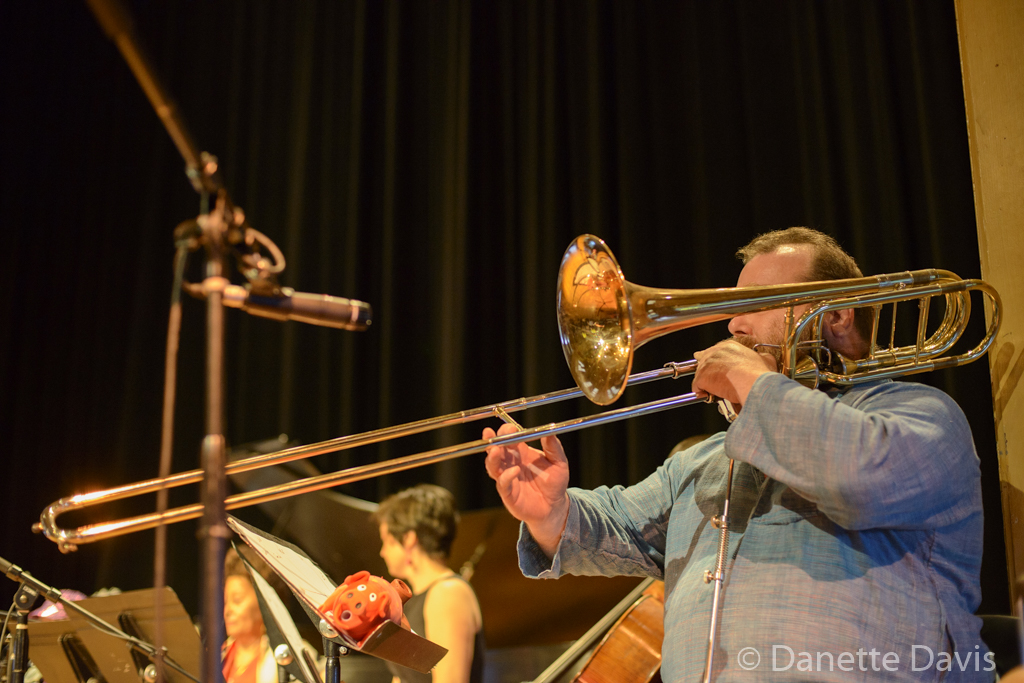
x=301 y=574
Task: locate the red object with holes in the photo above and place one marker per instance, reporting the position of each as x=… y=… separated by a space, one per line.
x=363 y=602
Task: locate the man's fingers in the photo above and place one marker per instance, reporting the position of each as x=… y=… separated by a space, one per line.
x=495 y=455
x=553 y=450
x=498 y=457
x=769 y=360
x=507 y=429
x=502 y=431
x=492 y=463
x=506 y=480
x=696 y=381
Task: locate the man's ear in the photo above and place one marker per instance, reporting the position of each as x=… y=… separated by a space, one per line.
x=840 y=321
x=840 y=331
x=409 y=540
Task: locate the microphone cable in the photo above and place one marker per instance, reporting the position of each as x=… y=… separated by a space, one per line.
x=185 y=242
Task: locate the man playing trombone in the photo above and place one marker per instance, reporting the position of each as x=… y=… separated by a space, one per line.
x=856 y=514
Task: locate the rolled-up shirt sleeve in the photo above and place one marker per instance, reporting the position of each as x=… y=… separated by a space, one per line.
x=615 y=531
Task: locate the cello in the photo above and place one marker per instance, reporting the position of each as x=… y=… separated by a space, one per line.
x=629 y=647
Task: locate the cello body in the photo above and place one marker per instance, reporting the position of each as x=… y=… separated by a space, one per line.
x=631 y=650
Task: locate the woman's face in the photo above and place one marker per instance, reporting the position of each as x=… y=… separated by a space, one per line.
x=242 y=618
x=394 y=553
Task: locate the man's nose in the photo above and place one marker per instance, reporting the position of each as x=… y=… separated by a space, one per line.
x=739 y=325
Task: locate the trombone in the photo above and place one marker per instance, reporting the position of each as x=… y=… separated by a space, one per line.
x=602 y=320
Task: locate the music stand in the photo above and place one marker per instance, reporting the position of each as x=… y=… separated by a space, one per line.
x=47 y=649
x=281 y=629
x=312 y=587
x=53 y=643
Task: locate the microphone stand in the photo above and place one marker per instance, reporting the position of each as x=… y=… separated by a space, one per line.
x=222 y=231
x=213 y=530
x=24 y=599
x=201 y=169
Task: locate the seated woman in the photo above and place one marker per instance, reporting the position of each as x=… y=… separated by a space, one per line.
x=247 y=656
x=417 y=527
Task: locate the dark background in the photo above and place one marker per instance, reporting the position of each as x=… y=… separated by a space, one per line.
x=435 y=159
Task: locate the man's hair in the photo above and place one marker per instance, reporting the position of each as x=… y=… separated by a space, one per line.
x=830 y=262
x=426 y=509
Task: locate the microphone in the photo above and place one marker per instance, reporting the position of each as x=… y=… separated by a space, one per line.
x=286 y=304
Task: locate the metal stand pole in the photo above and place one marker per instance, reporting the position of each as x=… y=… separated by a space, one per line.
x=332 y=651
x=283 y=657
x=213 y=531
x=718 y=577
x=24 y=599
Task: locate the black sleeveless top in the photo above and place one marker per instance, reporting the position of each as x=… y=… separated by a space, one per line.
x=413 y=610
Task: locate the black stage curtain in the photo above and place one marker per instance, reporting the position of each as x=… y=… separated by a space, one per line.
x=435 y=159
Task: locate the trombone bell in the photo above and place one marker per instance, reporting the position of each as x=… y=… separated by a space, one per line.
x=595 y=319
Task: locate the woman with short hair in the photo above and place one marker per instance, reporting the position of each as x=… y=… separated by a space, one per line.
x=417 y=527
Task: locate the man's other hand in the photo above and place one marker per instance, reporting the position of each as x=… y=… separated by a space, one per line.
x=532 y=484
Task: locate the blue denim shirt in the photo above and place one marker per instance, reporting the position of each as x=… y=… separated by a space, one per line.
x=857 y=527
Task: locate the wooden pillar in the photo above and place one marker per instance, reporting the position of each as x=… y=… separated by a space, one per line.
x=992 y=60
